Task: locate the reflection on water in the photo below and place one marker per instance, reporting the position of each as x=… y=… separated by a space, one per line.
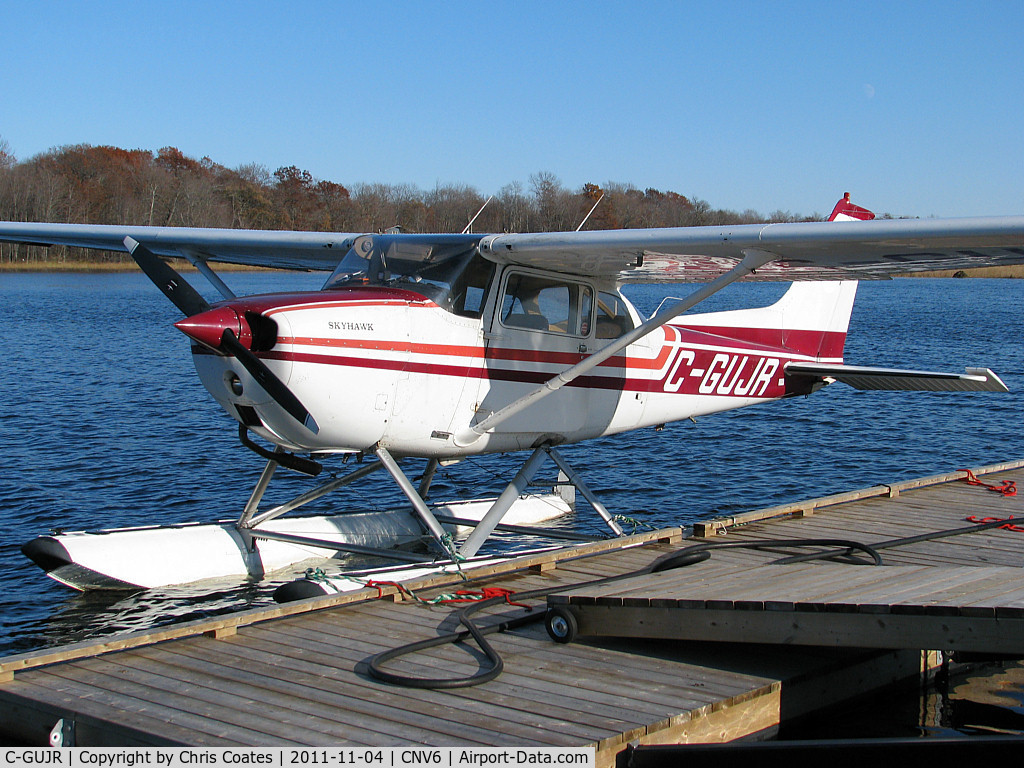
x=974 y=700
x=987 y=700
x=103 y=423
x=134 y=611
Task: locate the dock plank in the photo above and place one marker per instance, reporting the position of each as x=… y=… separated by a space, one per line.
x=550 y=671
x=231 y=706
x=36 y=705
x=418 y=709
x=97 y=696
x=547 y=677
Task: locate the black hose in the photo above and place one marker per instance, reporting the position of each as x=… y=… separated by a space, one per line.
x=478 y=634
x=680 y=559
x=774 y=543
x=901 y=542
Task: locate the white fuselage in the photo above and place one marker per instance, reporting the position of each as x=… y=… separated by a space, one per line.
x=381 y=365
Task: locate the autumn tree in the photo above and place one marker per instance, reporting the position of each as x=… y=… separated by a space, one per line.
x=246 y=191
x=453 y=206
x=603 y=215
x=108 y=185
x=306 y=203
x=411 y=211
x=557 y=208
x=375 y=207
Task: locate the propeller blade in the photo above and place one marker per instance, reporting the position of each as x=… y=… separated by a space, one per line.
x=174 y=286
x=272 y=385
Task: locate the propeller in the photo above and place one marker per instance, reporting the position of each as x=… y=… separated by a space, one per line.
x=216 y=328
x=174 y=286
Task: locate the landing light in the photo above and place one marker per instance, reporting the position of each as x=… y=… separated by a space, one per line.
x=234 y=383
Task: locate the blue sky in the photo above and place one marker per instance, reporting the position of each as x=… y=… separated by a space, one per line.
x=915 y=108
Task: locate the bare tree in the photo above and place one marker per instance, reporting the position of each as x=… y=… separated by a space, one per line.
x=6 y=155
x=515 y=208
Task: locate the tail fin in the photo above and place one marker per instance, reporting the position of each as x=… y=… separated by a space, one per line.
x=811 y=319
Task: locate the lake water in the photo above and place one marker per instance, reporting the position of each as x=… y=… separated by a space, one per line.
x=103 y=423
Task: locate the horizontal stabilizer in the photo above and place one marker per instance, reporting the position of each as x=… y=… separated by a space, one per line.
x=859 y=377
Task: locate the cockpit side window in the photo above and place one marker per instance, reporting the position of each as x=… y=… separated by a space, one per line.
x=546 y=304
x=469 y=290
x=455 y=279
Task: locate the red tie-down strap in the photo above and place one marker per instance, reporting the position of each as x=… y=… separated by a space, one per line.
x=1006 y=487
x=379 y=586
x=1008 y=527
x=460 y=596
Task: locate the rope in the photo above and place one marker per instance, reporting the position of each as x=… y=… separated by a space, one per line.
x=1006 y=487
x=637 y=523
x=471 y=596
x=448 y=542
x=316 y=574
x=459 y=596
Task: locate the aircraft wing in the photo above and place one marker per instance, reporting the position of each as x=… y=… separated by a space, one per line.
x=894 y=379
x=834 y=250
x=260 y=248
x=802 y=251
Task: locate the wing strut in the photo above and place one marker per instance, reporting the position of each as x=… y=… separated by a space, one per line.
x=752 y=259
x=200 y=264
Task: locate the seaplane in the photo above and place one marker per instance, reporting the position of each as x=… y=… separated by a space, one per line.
x=437 y=347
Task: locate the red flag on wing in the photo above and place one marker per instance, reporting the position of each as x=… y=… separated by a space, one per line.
x=847 y=211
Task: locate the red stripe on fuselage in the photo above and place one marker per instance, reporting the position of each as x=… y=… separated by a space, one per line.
x=451 y=350
x=804 y=342
x=690 y=360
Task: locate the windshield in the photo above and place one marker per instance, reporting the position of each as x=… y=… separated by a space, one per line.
x=454 y=278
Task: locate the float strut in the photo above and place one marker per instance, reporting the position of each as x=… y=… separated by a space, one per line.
x=257 y=494
x=577 y=481
x=503 y=503
x=312 y=495
x=426 y=516
x=428 y=477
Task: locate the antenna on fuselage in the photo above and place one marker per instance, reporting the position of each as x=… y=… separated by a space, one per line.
x=594 y=208
x=466 y=230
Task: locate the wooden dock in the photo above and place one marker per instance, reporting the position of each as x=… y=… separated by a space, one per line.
x=963 y=608
x=296 y=674
x=948 y=583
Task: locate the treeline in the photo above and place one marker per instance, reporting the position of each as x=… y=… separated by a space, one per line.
x=106 y=185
